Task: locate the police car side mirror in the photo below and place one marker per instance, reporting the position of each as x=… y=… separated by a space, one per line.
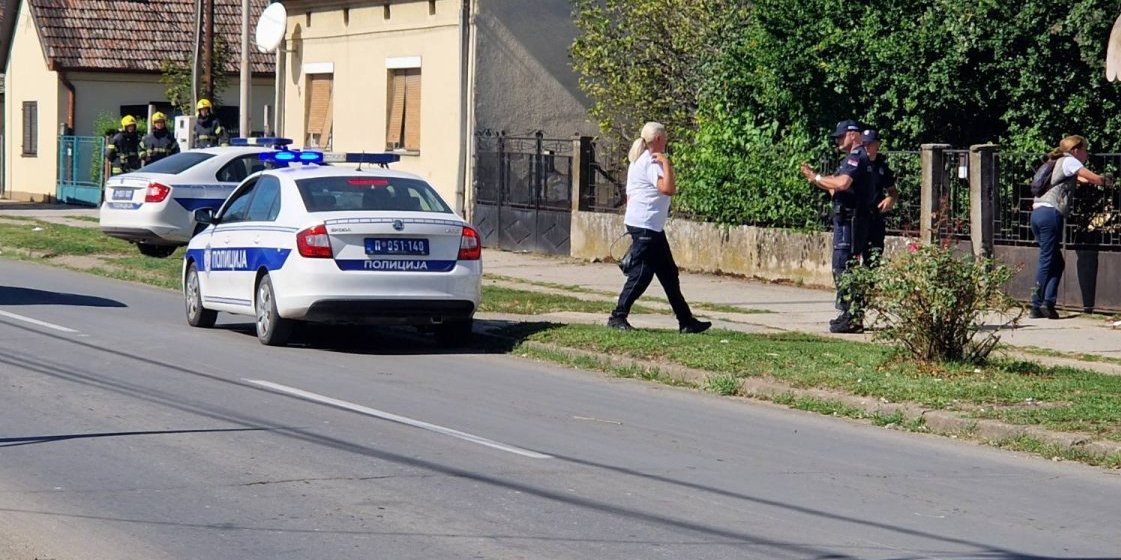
x=205 y=216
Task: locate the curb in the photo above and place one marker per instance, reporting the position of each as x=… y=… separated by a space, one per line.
x=940 y=422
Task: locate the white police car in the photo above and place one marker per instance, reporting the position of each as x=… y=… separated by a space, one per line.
x=154 y=207
x=329 y=244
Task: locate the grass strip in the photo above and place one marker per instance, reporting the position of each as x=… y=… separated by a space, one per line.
x=1012 y=391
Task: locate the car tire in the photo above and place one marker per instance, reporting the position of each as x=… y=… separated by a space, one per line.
x=157 y=251
x=455 y=333
x=197 y=315
x=272 y=329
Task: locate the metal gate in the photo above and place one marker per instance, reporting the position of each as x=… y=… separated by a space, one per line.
x=80 y=170
x=523 y=193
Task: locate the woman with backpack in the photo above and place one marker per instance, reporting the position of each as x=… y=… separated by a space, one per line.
x=1049 y=211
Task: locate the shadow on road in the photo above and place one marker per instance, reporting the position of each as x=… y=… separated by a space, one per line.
x=491 y=337
x=11 y=295
x=29 y=440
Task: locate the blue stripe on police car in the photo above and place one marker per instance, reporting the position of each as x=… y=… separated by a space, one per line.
x=239 y=258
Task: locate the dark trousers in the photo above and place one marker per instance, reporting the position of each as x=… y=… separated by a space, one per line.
x=877 y=234
x=1047 y=226
x=850 y=236
x=651 y=257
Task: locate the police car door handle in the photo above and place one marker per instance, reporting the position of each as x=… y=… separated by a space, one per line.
x=257 y=240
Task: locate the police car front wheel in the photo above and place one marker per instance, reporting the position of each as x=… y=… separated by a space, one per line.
x=197 y=315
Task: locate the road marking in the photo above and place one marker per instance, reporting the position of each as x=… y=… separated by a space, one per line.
x=36 y=322
x=397 y=418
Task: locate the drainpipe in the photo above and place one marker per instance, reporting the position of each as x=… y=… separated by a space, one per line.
x=464 y=84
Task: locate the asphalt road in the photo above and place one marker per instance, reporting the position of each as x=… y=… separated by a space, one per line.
x=127 y=434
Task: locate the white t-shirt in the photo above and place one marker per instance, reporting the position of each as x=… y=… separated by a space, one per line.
x=646 y=206
x=1058 y=196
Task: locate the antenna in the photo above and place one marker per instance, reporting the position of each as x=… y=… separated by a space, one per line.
x=360 y=161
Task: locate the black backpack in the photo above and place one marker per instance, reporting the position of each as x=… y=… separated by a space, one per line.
x=1041 y=181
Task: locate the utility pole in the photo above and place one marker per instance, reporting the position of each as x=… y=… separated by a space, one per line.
x=208 y=49
x=243 y=112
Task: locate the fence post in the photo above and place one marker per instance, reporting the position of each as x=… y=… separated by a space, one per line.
x=582 y=159
x=982 y=198
x=933 y=182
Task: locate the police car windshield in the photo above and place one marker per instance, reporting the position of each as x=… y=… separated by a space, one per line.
x=177 y=163
x=357 y=193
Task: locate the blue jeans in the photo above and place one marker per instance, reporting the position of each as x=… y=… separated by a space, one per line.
x=1047 y=226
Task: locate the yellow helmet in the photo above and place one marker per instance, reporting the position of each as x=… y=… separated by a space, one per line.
x=127 y=120
x=158 y=116
x=204 y=104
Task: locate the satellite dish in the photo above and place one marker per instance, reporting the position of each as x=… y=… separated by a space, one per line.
x=271 y=27
x=1113 y=53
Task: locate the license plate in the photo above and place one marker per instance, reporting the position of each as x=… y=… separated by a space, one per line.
x=122 y=194
x=396 y=246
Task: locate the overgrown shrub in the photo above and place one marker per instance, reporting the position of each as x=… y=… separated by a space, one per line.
x=937 y=305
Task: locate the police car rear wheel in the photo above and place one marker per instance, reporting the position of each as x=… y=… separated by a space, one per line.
x=197 y=315
x=157 y=251
x=272 y=329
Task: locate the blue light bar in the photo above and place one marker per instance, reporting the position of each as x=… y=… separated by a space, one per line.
x=285 y=157
x=264 y=141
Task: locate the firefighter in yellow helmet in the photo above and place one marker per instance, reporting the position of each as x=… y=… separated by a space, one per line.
x=123 y=150
x=208 y=131
x=160 y=142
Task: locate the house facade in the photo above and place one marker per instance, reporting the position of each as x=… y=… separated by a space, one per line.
x=67 y=62
x=422 y=77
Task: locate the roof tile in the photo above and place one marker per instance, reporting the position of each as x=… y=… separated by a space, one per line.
x=137 y=35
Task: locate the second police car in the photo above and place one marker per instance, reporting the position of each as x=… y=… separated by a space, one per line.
x=330 y=244
x=154 y=207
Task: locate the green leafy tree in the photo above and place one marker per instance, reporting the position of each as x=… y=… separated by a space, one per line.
x=176 y=77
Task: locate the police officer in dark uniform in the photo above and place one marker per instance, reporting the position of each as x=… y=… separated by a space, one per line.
x=159 y=143
x=885 y=196
x=851 y=187
x=123 y=150
x=208 y=131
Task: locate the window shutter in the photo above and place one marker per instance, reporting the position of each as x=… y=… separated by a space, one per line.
x=396 y=115
x=319 y=118
x=30 y=128
x=412 y=109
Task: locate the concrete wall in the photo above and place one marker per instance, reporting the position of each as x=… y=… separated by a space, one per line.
x=524 y=80
x=99 y=92
x=31 y=177
x=356 y=46
x=769 y=254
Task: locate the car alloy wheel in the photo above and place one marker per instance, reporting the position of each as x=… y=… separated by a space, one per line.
x=197 y=315
x=272 y=329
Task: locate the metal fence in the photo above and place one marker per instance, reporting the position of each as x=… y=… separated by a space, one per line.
x=80 y=169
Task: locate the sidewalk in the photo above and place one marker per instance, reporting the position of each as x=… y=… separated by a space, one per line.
x=788 y=308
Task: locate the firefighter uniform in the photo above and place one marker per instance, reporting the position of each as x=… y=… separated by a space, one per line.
x=159 y=143
x=123 y=150
x=208 y=131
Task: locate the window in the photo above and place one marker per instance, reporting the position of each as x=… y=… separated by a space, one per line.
x=31 y=128
x=177 y=163
x=319 y=111
x=237 y=207
x=239 y=168
x=266 y=200
x=403 y=122
x=366 y=193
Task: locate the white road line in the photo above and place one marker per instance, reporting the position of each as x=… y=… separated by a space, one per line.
x=399 y=419
x=36 y=322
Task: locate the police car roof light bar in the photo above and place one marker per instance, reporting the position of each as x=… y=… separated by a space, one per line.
x=382 y=159
x=286 y=157
x=263 y=141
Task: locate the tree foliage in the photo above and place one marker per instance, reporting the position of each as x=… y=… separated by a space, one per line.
x=746 y=99
x=176 y=77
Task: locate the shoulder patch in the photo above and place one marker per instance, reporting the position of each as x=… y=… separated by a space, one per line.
x=853 y=162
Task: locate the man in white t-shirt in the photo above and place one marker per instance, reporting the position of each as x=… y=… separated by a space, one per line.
x=650 y=184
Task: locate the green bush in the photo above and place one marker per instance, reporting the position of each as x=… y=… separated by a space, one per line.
x=933 y=303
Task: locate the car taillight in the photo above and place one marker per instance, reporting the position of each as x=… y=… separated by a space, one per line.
x=470 y=246
x=314 y=243
x=156 y=192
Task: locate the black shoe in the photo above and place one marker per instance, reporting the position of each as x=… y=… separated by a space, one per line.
x=846 y=327
x=1035 y=313
x=619 y=323
x=1050 y=313
x=694 y=326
